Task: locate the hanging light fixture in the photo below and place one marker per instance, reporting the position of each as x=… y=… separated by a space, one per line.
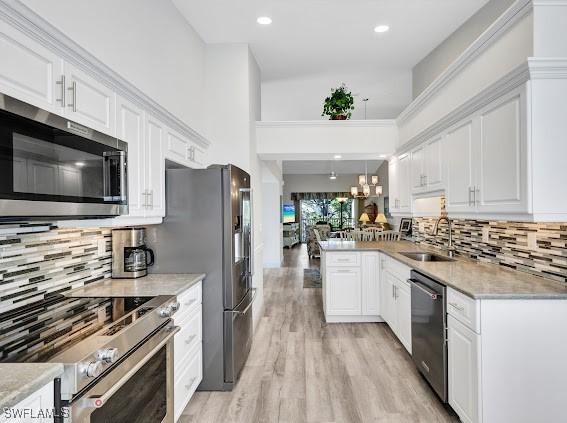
x=365 y=185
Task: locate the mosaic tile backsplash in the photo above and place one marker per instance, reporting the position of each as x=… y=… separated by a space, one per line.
x=536 y=248
x=38 y=264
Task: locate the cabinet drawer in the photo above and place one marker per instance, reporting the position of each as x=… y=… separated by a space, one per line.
x=187 y=381
x=188 y=301
x=343 y=259
x=464 y=309
x=191 y=334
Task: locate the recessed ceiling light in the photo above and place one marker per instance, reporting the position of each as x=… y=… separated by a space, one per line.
x=80 y=164
x=338 y=156
x=383 y=156
x=264 y=20
x=382 y=28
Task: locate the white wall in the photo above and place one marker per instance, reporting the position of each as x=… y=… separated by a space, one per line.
x=322 y=139
x=271 y=213
x=447 y=52
x=509 y=51
x=147 y=42
x=301 y=98
x=227 y=103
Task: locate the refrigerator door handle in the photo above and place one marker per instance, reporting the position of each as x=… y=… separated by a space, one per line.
x=251 y=229
x=254 y=292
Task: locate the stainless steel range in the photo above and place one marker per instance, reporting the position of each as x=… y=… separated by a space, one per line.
x=120 y=369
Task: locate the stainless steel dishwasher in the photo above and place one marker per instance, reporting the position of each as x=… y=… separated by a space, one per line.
x=428 y=331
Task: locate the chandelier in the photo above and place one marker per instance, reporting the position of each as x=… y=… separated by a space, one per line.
x=365 y=184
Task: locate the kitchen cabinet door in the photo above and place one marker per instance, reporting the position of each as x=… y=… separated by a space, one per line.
x=32 y=73
x=501 y=184
x=403 y=313
x=370 y=284
x=176 y=147
x=393 y=176
x=387 y=300
x=417 y=170
x=90 y=102
x=464 y=371
x=131 y=129
x=459 y=148
x=433 y=165
x=404 y=184
x=155 y=167
x=344 y=287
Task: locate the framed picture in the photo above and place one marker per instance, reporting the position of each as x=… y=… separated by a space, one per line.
x=405 y=225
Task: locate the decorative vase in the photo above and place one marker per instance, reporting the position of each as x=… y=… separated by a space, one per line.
x=338 y=117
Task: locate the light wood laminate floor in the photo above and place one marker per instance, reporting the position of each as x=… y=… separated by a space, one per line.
x=301 y=369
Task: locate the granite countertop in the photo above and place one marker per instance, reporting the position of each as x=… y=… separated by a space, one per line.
x=474 y=278
x=20 y=380
x=147 y=286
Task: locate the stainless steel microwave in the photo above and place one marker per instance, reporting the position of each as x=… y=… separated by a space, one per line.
x=51 y=167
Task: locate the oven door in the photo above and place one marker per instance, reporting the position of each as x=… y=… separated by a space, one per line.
x=139 y=389
x=53 y=167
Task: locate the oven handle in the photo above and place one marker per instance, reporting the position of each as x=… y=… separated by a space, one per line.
x=433 y=295
x=97 y=401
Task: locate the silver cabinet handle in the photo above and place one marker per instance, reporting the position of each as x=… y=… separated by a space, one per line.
x=343 y=271
x=62 y=83
x=190 y=339
x=73 y=89
x=151 y=195
x=477 y=191
x=471 y=192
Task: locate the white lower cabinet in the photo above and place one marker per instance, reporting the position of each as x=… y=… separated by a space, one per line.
x=344 y=285
x=36 y=408
x=188 y=348
x=396 y=306
x=351 y=286
x=463 y=370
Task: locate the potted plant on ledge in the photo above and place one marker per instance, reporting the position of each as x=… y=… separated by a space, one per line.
x=340 y=104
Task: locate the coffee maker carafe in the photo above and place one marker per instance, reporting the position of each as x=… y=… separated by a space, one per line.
x=130 y=256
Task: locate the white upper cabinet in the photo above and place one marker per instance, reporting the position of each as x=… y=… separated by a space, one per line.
x=29 y=71
x=90 y=102
x=130 y=128
x=417 y=169
x=433 y=164
x=155 y=170
x=400 y=184
x=427 y=167
x=459 y=149
x=404 y=190
x=501 y=181
x=486 y=160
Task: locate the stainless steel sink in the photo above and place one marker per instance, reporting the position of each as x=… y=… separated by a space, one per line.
x=425 y=256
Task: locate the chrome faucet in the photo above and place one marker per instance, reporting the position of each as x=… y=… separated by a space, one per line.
x=450 y=247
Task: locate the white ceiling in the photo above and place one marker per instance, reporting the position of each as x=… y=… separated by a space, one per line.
x=324 y=167
x=314 y=36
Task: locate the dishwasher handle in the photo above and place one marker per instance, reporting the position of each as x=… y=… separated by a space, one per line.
x=432 y=294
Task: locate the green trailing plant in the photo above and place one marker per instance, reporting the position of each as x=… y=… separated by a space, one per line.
x=340 y=104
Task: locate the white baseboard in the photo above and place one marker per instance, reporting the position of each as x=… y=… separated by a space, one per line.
x=353 y=319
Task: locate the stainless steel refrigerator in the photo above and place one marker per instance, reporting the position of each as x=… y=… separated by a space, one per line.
x=208 y=229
